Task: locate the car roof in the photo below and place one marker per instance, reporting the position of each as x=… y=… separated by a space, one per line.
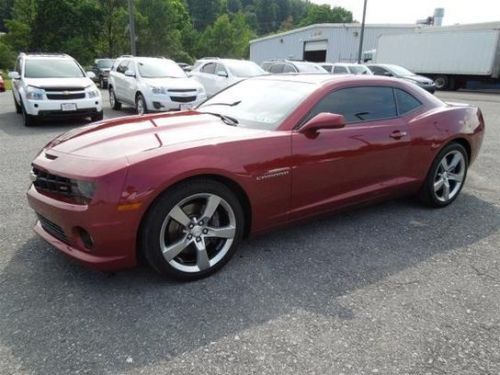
x=47 y=56
x=320 y=79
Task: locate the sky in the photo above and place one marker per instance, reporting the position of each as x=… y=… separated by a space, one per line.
x=408 y=11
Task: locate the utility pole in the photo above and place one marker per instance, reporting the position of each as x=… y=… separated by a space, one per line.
x=362 y=34
x=131 y=26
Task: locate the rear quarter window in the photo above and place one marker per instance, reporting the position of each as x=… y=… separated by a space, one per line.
x=405 y=101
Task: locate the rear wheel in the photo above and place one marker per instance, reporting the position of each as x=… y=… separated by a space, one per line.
x=18 y=107
x=115 y=104
x=29 y=120
x=192 y=230
x=442 y=82
x=446 y=176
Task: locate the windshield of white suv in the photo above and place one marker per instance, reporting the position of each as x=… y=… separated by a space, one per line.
x=52 y=68
x=245 y=68
x=400 y=71
x=160 y=68
x=259 y=103
x=358 y=69
x=309 y=68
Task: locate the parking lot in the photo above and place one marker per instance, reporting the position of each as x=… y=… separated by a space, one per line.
x=394 y=288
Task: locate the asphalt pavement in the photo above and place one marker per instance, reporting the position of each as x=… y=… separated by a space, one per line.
x=394 y=288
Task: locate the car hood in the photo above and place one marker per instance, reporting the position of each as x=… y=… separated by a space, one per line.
x=129 y=136
x=174 y=83
x=419 y=79
x=59 y=82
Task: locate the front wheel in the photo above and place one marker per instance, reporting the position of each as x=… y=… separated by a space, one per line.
x=29 y=120
x=17 y=105
x=97 y=117
x=115 y=104
x=446 y=176
x=140 y=105
x=192 y=230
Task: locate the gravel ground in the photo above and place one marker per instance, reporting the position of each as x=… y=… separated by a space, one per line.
x=392 y=289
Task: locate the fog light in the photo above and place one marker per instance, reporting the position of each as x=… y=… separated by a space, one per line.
x=157 y=105
x=86 y=238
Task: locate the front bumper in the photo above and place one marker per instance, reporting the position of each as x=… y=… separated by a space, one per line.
x=161 y=103
x=113 y=233
x=53 y=108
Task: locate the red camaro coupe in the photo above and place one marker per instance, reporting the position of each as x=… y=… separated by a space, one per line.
x=180 y=190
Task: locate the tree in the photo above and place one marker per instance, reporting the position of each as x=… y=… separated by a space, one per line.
x=326 y=14
x=266 y=12
x=24 y=13
x=115 y=21
x=204 y=12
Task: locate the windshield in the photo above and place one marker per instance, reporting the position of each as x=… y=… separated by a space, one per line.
x=160 y=68
x=105 y=63
x=357 y=69
x=259 y=103
x=400 y=71
x=52 y=68
x=309 y=68
x=245 y=68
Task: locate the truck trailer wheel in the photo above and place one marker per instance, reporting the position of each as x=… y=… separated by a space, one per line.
x=442 y=82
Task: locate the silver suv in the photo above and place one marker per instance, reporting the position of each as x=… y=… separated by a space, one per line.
x=54 y=86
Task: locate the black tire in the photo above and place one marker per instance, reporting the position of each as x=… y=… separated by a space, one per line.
x=18 y=107
x=442 y=82
x=140 y=101
x=158 y=215
x=28 y=119
x=97 y=117
x=427 y=194
x=113 y=101
x=102 y=83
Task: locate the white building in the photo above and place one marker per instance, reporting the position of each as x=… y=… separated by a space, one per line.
x=332 y=42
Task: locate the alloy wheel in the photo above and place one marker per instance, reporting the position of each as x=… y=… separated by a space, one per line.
x=449 y=176
x=197 y=232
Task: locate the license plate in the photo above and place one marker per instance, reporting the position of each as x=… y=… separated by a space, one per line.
x=186 y=107
x=68 y=107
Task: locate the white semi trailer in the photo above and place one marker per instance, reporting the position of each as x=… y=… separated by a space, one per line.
x=451 y=55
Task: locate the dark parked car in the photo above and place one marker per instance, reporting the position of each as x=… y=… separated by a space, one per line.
x=182 y=189
x=390 y=70
x=101 y=70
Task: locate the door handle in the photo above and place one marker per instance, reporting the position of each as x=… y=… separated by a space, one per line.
x=398 y=134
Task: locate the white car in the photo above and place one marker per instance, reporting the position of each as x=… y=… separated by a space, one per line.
x=152 y=84
x=54 y=86
x=217 y=74
x=346 y=68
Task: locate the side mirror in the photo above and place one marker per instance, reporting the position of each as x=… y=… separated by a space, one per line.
x=323 y=120
x=222 y=73
x=91 y=75
x=130 y=73
x=14 y=75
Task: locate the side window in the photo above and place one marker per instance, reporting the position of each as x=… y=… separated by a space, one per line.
x=405 y=101
x=340 y=70
x=359 y=104
x=277 y=68
x=122 y=68
x=289 y=68
x=328 y=68
x=208 y=68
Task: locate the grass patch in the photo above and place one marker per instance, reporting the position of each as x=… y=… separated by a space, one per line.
x=8 y=84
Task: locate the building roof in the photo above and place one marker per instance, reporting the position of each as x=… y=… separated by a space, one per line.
x=335 y=26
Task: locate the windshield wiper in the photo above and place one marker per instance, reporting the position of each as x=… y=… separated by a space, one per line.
x=226 y=104
x=227 y=119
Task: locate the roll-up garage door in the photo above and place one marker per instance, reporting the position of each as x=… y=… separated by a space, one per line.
x=315 y=50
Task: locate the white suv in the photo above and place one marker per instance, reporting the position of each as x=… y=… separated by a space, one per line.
x=152 y=84
x=216 y=74
x=54 y=86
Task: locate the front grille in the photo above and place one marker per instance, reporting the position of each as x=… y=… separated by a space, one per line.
x=52 y=228
x=62 y=96
x=51 y=183
x=182 y=90
x=183 y=99
x=55 y=89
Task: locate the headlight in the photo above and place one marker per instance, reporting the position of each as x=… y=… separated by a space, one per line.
x=159 y=90
x=34 y=93
x=84 y=189
x=93 y=92
x=201 y=90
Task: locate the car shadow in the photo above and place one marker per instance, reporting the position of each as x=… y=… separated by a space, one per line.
x=57 y=317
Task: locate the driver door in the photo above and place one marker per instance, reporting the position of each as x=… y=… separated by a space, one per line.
x=364 y=160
